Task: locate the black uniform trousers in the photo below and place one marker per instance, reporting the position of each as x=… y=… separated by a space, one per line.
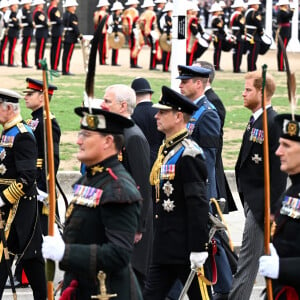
x=285 y=34
x=11 y=50
x=237 y=56
x=217 y=54
x=2 y=49
x=102 y=49
x=166 y=56
x=39 y=51
x=55 y=51
x=25 y=50
x=114 y=57
x=253 y=55
x=67 y=55
x=132 y=45
x=162 y=277
x=34 y=269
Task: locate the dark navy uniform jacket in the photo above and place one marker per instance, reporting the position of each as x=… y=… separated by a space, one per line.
x=71 y=28
x=287 y=239
x=18 y=153
x=27 y=22
x=249 y=169
x=101 y=222
x=56 y=21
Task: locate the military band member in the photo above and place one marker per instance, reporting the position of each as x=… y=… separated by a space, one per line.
x=13 y=31
x=217 y=25
x=159 y=11
x=103 y=215
x=98 y=16
x=41 y=31
x=26 y=26
x=18 y=200
x=34 y=100
x=166 y=24
x=56 y=25
x=284 y=17
x=254 y=31
x=115 y=26
x=194 y=33
x=72 y=33
x=131 y=29
x=282 y=266
x=237 y=25
x=179 y=175
x=148 y=24
x=4 y=16
x=249 y=173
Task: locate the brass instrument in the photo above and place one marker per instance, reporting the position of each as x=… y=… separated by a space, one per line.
x=116 y=40
x=165 y=42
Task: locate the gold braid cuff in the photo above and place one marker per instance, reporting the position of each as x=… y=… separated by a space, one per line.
x=14 y=192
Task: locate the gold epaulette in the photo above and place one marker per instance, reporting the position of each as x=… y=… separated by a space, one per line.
x=22 y=128
x=52 y=116
x=14 y=192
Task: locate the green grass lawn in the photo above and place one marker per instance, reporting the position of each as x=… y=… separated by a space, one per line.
x=229 y=87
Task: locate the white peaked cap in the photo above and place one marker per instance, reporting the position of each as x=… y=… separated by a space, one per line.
x=191 y=5
x=283 y=2
x=253 y=2
x=103 y=3
x=131 y=2
x=117 y=6
x=216 y=7
x=147 y=3
x=238 y=3
x=169 y=6
x=69 y=3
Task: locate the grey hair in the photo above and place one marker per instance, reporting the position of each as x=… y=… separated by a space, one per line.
x=124 y=93
x=15 y=106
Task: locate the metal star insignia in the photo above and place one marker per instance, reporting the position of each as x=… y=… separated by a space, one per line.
x=168 y=205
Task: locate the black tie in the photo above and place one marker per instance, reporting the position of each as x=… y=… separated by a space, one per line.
x=250 y=123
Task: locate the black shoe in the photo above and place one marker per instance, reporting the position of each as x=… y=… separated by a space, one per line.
x=68 y=74
x=39 y=68
x=167 y=71
x=220 y=70
x=116 y=65
x=219 y=296
x=135 y=67
x=105 y=64
x=12 y=66
x=154 y=69
x=238 y=71
x=27 y=67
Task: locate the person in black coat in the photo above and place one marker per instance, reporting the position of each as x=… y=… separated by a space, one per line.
x=254 y=31
x=72 y=33
x=13 y=32
x=56 y=23
x=18 y=200
x=181 y=217
x=221 y=180
x=41 y=31
x=237 y=25
x=135 y=157
x=249 y=172
x=4 y=14
x=282 y=266
x=102 y=217
x=27 y=31
x=143 y=115
x=283 y=18
x=34 y=100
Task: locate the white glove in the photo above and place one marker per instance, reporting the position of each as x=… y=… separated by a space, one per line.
x=109 y=29
x=135 y=33
x=53 y=246
x=2 y=203
x=41 y=196
x=198 y=259
x=269 y=264
x=154 y=35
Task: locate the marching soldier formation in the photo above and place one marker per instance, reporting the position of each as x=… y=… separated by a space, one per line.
x=236 y=26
